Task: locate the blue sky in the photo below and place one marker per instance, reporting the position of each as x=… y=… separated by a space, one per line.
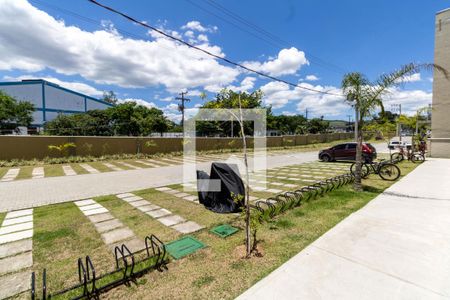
x=313 y=43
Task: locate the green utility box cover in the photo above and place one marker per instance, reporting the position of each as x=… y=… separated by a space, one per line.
x=224 y=230
x=184 y=246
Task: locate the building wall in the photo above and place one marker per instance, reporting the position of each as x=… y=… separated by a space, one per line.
x=50 y=99
x=31 y=147
x=440 y=122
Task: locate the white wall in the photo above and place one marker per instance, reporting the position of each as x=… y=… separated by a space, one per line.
x=62 y=100
x=91 y=104
x=25 y=92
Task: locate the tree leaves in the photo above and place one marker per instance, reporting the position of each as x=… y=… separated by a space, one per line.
x=14 y=113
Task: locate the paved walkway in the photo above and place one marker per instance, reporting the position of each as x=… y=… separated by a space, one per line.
x=32 y=193
x=29 y=193
x=396 y=247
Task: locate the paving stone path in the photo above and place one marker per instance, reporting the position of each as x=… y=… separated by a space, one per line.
x=147 y=163
x=11 y=174
x=112 y=167
x=128 y=165
x=160 y=214
x=68 y=171
x=178 y=194
x=89 y=168
x=16 y=256
x=38 y=172
x=112 y=231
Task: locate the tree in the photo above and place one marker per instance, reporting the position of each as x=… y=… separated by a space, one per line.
x=14 y=113
x=318 y=125
x=227 y=98
x=110 y=97
x=91 y=123
x=123 y=119
x=365 y=97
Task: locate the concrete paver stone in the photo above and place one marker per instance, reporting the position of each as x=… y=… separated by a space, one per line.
x=16 y=236
x=13 y=284
x=187 y=227
x=117 y=235
x=19 y=213
x=14 y=248
x=12 y=264
x=16 y=227
x=158 y=213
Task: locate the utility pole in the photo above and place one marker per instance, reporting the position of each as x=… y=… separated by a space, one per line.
x=181 y=106
x=349 y=122
x=306 y=114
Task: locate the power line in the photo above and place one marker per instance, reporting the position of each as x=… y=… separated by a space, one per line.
x=207 y=52
x=269 y=35
x=232 y=23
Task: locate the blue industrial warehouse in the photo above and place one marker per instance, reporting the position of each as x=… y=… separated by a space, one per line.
x=50 y=99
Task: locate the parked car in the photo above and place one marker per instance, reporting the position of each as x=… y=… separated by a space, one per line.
x=347 y=151
x=394 y=143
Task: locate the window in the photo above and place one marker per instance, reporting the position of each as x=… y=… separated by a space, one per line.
x=339 y=147
x=351 y=146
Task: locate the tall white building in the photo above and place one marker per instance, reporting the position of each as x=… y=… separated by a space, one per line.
x=50 y=99
x=440 y=121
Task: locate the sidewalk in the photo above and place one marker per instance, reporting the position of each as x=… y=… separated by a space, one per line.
x=396 y=247
x=37 y=192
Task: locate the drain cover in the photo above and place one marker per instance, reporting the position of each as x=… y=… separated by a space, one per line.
x=224 y=230
x=184 y=246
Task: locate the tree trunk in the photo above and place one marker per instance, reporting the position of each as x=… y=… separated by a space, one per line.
x=357 y=186
x=247 y=187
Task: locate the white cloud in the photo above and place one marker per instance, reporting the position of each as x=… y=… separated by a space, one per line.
x=411 y=100
x=31 y=40
x=139 y=102
x=246 y=84
x=288 y=61
x=311 y=78
x=75 y=86
x=280 y=94
x=197 y=26
x=411 y=78
x=202 y=38
x=190 y=34
x=171 y=107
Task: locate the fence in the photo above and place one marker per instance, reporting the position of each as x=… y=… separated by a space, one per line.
x=37 y=147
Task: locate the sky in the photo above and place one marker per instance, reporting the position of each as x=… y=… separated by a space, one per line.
x=310 y=43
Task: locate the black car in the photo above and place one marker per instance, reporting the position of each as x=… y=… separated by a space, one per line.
x=347 y=151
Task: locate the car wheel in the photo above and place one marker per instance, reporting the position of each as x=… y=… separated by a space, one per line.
x=325 y=158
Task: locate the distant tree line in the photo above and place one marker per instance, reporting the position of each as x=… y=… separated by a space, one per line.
x=295 y=124
x=128 y=119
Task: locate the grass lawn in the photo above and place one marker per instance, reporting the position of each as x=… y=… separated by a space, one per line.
x=78 y=169
x=53 y=170
x=25 y=172
x=219 y=271
x=63 y=234
x=100 y=166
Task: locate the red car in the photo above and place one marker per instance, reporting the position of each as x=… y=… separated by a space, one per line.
x=347 y=151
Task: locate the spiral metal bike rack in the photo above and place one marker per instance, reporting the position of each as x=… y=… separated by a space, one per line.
x=280 y=203
x=90 y=285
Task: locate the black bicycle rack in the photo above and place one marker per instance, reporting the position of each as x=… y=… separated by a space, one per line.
x=90 y=285
x=280 y=203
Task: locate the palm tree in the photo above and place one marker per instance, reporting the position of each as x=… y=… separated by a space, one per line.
x=366 y=96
